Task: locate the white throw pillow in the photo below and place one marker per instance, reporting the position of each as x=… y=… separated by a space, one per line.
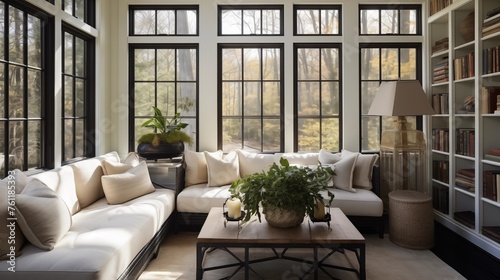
x=132 y=158
x=111 y=167
x=222 y=171
x=326 y=157
x=363 y=170
x=344 y=170
x=301 y=159
x=43 y=217
x=196 y=167
x=119 y=188
x=251 y=163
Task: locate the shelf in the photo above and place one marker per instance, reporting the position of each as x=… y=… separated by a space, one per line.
x=465 y=157
x=441 y=115
x=465 y=80
x=468 y=45
x=440 y=183
x=490 y=115
x=440 y=152
x=491 y=75
x=440 y=84
x=490 y=162
x=489 y=201
x=493 y=36
x=439 y=54
x=466 y=192
x=465 y=115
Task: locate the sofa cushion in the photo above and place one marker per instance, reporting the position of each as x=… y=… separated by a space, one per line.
x=122 y=187
x=363 y=169
x=251 y=163
x=305 y=159
x=222 y=171
x=344 y=170
x=88 y=181
x=8 y=191
x=196 y=167
x=111 y=167
x=200 y=198
x=42 y=215
x=361 y=203
x=326 y=157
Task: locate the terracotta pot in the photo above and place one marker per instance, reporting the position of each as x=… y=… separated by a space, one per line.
x=164 y=150
x=467 y=27
x=283 y=218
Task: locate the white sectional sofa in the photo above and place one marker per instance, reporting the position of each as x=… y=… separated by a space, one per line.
x=356 y=185
x=113 y=230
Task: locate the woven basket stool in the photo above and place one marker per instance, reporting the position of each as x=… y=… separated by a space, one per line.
x=411 y=219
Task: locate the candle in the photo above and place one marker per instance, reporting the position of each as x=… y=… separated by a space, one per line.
x=233 y=208
x=319 y=210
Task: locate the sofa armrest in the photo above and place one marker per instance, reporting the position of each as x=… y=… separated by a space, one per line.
x=179 y=179
x=376 y=180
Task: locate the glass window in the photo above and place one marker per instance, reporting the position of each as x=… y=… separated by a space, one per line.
x=390 y=20
x=379 y=63
x=165 y=76
x=81 y=9
x=163 y=20
x=24 y=65
x=250 y=20
x=251 y=93
x=317 y=19
x=77 y=98
x=317 y=97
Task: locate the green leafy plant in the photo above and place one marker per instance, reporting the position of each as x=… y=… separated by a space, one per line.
x=287 y=187
x=166 y=130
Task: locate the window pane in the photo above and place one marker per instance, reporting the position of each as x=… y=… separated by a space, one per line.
x=390 y=69
x=68 y=96
x=231 y=22
x=2 y=95
x=34 y=94
x=16 y=145
x=166 y=22
x=186 y=99
x=34 y=41
x=271 y=22
x=68 y=54
x=251 y=22
x=68 y=139
x=2 y=148
x=231 y=99
x=330 y=134
x=186 y=68
x=308 y=98
x=271 y=135
x=252 y=58
x=272 y=98
x=329 y=98
x=16 y=35
x=186 y=22
x=408 y=64
x=329 y=22
x=370 y=63
x=79 y=138
x=139 y=130
x=308 y=64
x=79 y=57
x=166 y=99
x=369 y=22
x=80 y=9
x=370 y=133
x=34 y=144
x=368 y=91
x=145 y=65
x=68 y=6
x=165 y=69
x=144 y=22
x=231 y=135
x=308 y=134
x=252 y=134
x=330 y=63
x=390 y=22
x=271 y=64
x=2 y=43
x=16 y=92
x=79 y=98
x=307 y=21
x=252 y=98
x=408 y=24
x=231 y=66
x=144 y=98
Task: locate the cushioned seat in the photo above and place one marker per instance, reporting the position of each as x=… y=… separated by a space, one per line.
x=360 y=203
x=200 y=198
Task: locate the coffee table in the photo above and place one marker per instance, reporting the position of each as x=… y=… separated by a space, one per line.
x=216 y=234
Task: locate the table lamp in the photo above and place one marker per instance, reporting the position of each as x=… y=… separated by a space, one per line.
x=403 y=160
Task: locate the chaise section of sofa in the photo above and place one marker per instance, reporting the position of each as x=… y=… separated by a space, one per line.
x=105 y=241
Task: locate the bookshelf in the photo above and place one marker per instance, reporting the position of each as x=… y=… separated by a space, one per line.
x=464 y=133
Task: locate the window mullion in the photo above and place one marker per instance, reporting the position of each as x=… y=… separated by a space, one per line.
x=25 y=90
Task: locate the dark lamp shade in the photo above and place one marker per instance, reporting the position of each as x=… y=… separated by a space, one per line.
x=400 y=98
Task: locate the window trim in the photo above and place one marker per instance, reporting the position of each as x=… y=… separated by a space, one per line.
x=398 y=7
x=221 y=8
x=317 y=7
x=156 y=8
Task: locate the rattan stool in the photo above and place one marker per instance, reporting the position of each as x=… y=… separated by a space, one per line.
x=411 y=219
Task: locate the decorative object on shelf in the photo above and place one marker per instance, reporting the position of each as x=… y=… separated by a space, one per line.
x=167 y=141
x=403 y=152
x=234 y=212
x=286 y=193
x=467 y=27
x=468 y=106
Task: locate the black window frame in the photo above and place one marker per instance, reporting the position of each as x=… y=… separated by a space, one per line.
x=89 y=100
x=156 y=8
x=397 y=7
x=47 y=96
x=220 y=118
x=90 y=10
x=295 y=91
x=317 y=7
x=221 y=8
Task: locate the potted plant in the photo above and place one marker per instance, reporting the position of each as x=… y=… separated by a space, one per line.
x=167 y=140
x=286 y=193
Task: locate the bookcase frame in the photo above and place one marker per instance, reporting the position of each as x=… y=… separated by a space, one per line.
x=448 y=198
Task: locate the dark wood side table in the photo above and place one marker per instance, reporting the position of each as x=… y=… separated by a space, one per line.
x=164 y=173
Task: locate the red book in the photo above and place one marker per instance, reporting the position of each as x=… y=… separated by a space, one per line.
x=469 y=172
x=495 y=152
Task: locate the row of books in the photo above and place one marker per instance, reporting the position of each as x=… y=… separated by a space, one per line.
x=440 y=198
x=464 y=67
x=440 y=71
x=438 y=5
x=465 y=141
x=440 y=170
x=491 y=24
x=440 y=140
x=465 y=179
x=491 y=185
x=493 y=155
x=491 y=60
x=440 y=45
x=440 y=103
x=466 y=218
x=489 y=99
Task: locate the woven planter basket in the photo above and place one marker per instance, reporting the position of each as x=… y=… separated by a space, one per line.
x=283 y=218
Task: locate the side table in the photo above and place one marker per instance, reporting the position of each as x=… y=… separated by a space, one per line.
x=164 y=173
x=411 y=219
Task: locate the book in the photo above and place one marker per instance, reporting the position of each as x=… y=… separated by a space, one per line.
x=490 y=184
x=469 y=172
x=493 y=12
x=491 y=18
x=467 y=218
x=491 y=27
x=489 y=97
x=493 y=232
x=498 y=186
x=495 y=152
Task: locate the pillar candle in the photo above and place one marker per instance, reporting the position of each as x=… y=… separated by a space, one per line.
x=233 y=208
x=319 y=210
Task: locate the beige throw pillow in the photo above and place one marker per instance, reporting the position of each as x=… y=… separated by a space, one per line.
x=119 y=188
x=222 y=171
x=251 y=163
x=196 y=167
x=344 y=170
x=111 y=167
x=9 y=238
x=43 y=217
x=326 y=157
x=363 y=170
x=88 y=185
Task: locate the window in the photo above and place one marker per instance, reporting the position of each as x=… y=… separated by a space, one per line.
x=163 y=20
x=81 y=9
x=317 y=97
x=390 y=20
x=78 y=95
x=25 y=63
x=384 y=62
x=250 y=20
x=317 y=20
x=251 y=97
x=165 y=76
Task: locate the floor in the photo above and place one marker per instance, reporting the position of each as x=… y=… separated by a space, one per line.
x=385 y=260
